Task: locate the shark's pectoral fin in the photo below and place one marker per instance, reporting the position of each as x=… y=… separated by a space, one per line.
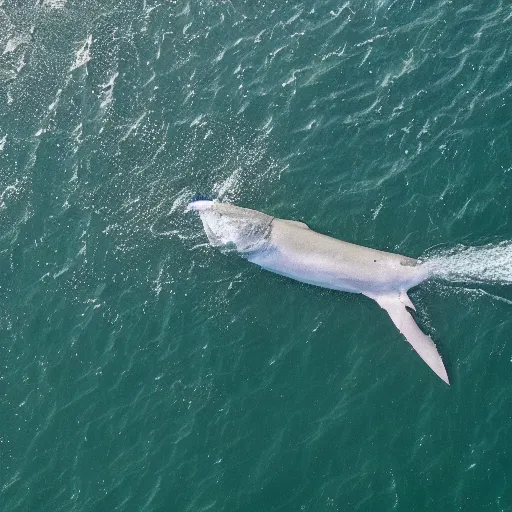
x=395 y=305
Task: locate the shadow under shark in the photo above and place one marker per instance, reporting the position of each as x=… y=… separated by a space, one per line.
x=291 y=249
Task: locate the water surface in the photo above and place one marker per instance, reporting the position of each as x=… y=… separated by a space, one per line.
x=141 y=369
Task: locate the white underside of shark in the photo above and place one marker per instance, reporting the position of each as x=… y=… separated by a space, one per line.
x=291 y=249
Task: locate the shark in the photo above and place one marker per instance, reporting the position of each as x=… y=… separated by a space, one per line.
x=290 y=248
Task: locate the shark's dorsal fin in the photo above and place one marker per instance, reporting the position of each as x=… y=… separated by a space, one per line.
x=297 y=223
x=395 y=305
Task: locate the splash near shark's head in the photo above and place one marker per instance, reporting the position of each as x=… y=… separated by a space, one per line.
x=231 y=227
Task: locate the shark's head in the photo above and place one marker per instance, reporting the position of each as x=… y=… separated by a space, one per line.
x=231 y=227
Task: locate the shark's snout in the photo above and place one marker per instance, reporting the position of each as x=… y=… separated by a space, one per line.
x=227 y=225
x=199 y=205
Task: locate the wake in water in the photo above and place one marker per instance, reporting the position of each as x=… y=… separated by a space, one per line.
x=487 y=264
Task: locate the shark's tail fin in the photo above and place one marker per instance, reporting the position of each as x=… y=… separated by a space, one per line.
x=395 y=305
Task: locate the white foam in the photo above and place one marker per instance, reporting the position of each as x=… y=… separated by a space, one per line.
x=490 y=263
x=107 y=91
x=14 y=42
x=83 y=54
x=55 y=4
x=10 y=189
x=55 y=102
x=231 y=184
x=134 y=126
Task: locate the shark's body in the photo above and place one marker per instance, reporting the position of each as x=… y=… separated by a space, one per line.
x=293 y=250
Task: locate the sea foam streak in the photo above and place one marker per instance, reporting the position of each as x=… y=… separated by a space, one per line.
x=489 y=263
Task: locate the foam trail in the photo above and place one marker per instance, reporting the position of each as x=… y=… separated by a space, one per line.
x=489 y=263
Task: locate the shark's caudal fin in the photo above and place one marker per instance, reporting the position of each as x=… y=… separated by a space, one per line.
x=423 y=344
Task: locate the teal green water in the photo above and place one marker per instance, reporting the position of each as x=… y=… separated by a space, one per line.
x=141 y=369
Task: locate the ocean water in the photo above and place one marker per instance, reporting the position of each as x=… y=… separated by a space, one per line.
x=141 y=369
